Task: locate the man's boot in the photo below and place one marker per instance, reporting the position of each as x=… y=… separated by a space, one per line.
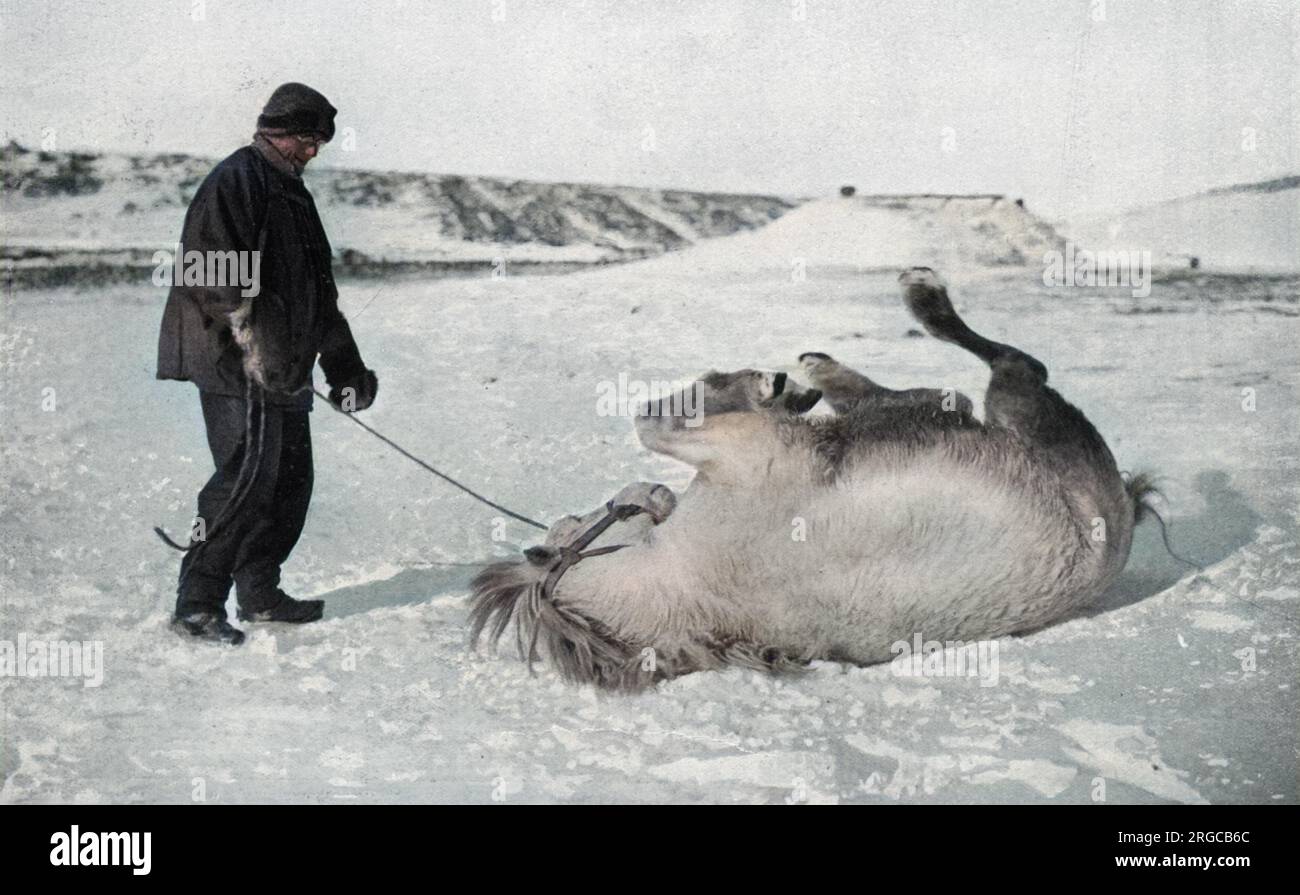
x=208 y=626
x=277 y=606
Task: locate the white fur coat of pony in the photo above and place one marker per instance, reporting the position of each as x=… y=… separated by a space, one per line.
x=832 y=537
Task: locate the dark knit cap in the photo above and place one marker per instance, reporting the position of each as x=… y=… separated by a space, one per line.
x=297 y=109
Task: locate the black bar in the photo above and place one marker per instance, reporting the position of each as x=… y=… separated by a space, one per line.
x=301 y=844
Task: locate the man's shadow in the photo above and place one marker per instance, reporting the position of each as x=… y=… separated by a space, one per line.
x=410 y=587
x=1226 y=524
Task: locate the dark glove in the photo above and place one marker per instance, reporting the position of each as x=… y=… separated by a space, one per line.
x=356 y=393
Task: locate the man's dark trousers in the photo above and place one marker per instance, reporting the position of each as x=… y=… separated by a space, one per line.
x=248 y=548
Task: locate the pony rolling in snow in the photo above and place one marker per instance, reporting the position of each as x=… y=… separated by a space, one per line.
x=916 y=518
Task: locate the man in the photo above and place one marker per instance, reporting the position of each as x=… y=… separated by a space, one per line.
x=251 y=351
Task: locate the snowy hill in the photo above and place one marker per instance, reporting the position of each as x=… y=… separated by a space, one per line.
x=1253 y=227
x=66 y=216
x=78 y=209
x=862 y=233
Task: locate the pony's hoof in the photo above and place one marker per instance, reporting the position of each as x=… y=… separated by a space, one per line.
x=812 y=361
x=920 y=276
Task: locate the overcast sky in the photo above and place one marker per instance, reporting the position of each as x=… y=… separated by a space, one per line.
x=1073 y=104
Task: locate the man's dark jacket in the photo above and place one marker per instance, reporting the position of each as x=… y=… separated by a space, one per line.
x=248 y=204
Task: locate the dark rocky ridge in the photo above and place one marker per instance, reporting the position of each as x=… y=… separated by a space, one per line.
x=79 y=210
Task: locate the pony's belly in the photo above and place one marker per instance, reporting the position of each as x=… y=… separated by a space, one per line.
x=943 y=557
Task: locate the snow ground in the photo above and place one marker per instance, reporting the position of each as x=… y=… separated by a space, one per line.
x=495 y=381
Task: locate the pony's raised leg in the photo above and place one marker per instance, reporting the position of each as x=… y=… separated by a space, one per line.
x=845 y=388
x=1018 y=395
x=1020 y=400
x=841 y=386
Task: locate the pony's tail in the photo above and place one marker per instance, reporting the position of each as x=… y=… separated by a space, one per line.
x=1143 y=493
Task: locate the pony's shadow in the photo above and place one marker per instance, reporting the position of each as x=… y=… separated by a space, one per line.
x=1227 y=523
x=410 y=587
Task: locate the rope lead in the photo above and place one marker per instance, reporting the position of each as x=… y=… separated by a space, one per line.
x=442 y=475
x=244 y=480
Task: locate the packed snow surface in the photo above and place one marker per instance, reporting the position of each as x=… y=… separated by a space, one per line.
x=1179 y=687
